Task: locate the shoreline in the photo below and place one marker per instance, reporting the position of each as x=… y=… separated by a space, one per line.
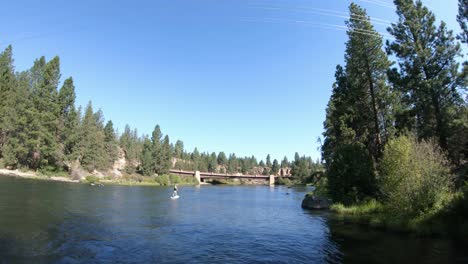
x=121 y=182
x=34 y=176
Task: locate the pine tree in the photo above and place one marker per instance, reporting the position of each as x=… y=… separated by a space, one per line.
x=222 y=159
x=147 y=163
x=179 y=149
x=268 y=160
x=275 y=167
x=16 y=150
x=90 y=149
x=110 y=143
x=233 y=163
x=462 y=19
x=68 y=118
x=213 y=163
x=285 y=162
x=45 y=80
x=428 y=74
x=366 y=71
x=166 y=159
x=7 y=87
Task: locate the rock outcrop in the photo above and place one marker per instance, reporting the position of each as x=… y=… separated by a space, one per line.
x=315 y=203
x=119 y=164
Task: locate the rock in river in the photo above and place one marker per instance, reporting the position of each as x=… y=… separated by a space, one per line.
x=315 y=202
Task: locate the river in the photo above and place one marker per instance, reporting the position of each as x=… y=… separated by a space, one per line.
x=53 y=222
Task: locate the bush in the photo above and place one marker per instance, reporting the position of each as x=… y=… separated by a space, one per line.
x=92 y=179
x=351 y=177
x=415 y=177
x=283 y=181
x=162 y=180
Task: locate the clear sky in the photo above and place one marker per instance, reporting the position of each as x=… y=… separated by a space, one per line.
x=242 y=76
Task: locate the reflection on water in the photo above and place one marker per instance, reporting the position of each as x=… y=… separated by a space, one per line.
x=48 y=222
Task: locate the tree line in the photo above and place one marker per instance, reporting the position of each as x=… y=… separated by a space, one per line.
x=386 y=116
x=42 y=129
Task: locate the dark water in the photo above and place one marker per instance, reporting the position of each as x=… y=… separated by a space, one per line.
x=50 y=222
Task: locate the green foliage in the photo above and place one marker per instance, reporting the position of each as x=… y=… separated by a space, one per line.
x=427 y=76
x=351 y=177
x=275 y=167
x=462 y=19
x=415 y=177
x=92 y=179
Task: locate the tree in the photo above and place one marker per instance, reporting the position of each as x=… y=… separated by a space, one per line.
x=18 y=143
x=233 y=164
x=261 y=164
x=45 y=79
x=350 y=177
x=366 y=75
x=462 y=19
x=166 y=158
x=179 y=149
x=428 y=76
x=110 y=143
x=212 y=163
x=222 y=159
x=275 y=167
x=285 y=162
x=147 y=163
x=68 y=117
x=7 y=85
x=90 y=149
x=268 y=161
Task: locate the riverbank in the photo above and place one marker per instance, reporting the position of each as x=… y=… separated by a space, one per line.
x=127 y=180
x=449 y=221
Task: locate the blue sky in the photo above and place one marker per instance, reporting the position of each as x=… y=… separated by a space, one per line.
x=242 y=76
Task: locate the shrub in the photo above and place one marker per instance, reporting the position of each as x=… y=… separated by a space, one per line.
x=415 y=177
x=92 y=179
x=162 y=180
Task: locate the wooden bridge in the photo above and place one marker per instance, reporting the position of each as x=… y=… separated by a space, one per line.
x=201 y=176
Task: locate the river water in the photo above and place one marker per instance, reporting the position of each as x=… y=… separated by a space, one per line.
x=52 y=222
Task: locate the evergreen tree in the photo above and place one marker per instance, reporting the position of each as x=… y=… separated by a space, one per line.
x=110 y=143
x=222 y=159
x=7 y=87
x=213 y=163
x=16 y=150
x=428 y=75
x=45 y=80
x=268 y=161
x=285 y=162
x=68 y=117
x=462 y=19
x=147 y=163
x=366 y=71
x=232 y=164
x=90 y=149
x=166 y=158
x=261 y=164
x=275 y=167
x=179 y=149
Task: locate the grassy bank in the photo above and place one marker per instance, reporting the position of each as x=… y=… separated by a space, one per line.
x=447 y=220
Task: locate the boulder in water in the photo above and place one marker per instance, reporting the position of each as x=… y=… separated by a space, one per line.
x=315 y=202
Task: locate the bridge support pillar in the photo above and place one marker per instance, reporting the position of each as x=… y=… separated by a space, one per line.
x=197 y=176
x=272 y=179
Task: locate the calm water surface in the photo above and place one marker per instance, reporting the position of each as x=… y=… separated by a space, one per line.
x=51 y=222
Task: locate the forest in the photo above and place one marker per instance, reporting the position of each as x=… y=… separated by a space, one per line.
x=396 y=144
x=42 y=129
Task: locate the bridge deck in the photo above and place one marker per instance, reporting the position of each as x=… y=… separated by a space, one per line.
x=222 y=175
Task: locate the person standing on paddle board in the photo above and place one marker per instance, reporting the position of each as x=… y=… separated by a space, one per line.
x=175 y=191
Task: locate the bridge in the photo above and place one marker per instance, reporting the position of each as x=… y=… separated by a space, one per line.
x=201 y=176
